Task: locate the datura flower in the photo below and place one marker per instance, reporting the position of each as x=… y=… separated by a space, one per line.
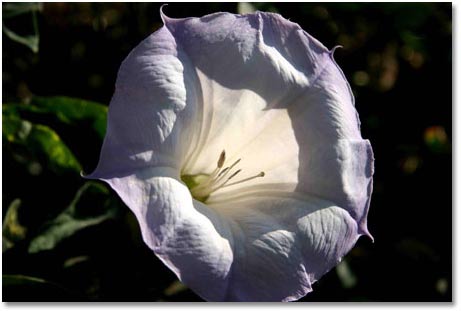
x=235 y=142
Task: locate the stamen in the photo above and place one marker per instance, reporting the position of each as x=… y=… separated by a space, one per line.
x=227 y=180
x=227 y=170
x=214 y=181
x=233 y=175
x=223 y=171
x=211 y=178
x=244 y=180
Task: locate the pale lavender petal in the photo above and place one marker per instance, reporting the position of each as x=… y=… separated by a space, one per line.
x=152 y=110
x=284 y=242
x=341 y=173
x=189 y=237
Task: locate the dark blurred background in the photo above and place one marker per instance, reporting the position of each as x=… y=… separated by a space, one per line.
x=65 y=238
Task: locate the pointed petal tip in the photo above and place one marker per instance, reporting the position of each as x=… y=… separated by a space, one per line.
x=92 y=175
x=333 y=50
x=163 y=15
x=339 y=46
x=168 y=21
x=87 y=176
x=368 y=234
x=365 y=232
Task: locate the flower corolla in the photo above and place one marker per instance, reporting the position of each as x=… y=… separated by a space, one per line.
x=235 y=142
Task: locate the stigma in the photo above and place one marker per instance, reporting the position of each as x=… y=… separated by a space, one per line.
x=202 y=186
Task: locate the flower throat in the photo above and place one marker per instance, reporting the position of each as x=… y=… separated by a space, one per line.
x=202 y=185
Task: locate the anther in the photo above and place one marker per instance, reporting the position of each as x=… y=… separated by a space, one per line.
x=222 y=159
x=213 y=177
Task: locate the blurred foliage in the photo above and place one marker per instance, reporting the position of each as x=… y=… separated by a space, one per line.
x=75 y=217
x=398 y=59
x=10 y=10
x=36 y=142
x=12 y=231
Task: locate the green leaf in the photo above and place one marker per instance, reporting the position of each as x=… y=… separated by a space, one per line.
x=74 y=111
x=90 y=206
x=40 y=141
x=25 y=288
x=70 y=111
x=12 y=231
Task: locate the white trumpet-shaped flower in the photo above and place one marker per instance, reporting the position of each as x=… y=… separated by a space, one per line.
x=235 y=142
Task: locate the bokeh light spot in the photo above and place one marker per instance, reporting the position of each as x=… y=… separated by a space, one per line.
x=361 y=78
x=441 y=286
x=411 y=164
x=436 y=138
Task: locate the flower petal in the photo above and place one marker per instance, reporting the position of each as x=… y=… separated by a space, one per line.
x=190 y=238
x=342 y=173
x=152 y=111
x=264 y=247
x=284 y=242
